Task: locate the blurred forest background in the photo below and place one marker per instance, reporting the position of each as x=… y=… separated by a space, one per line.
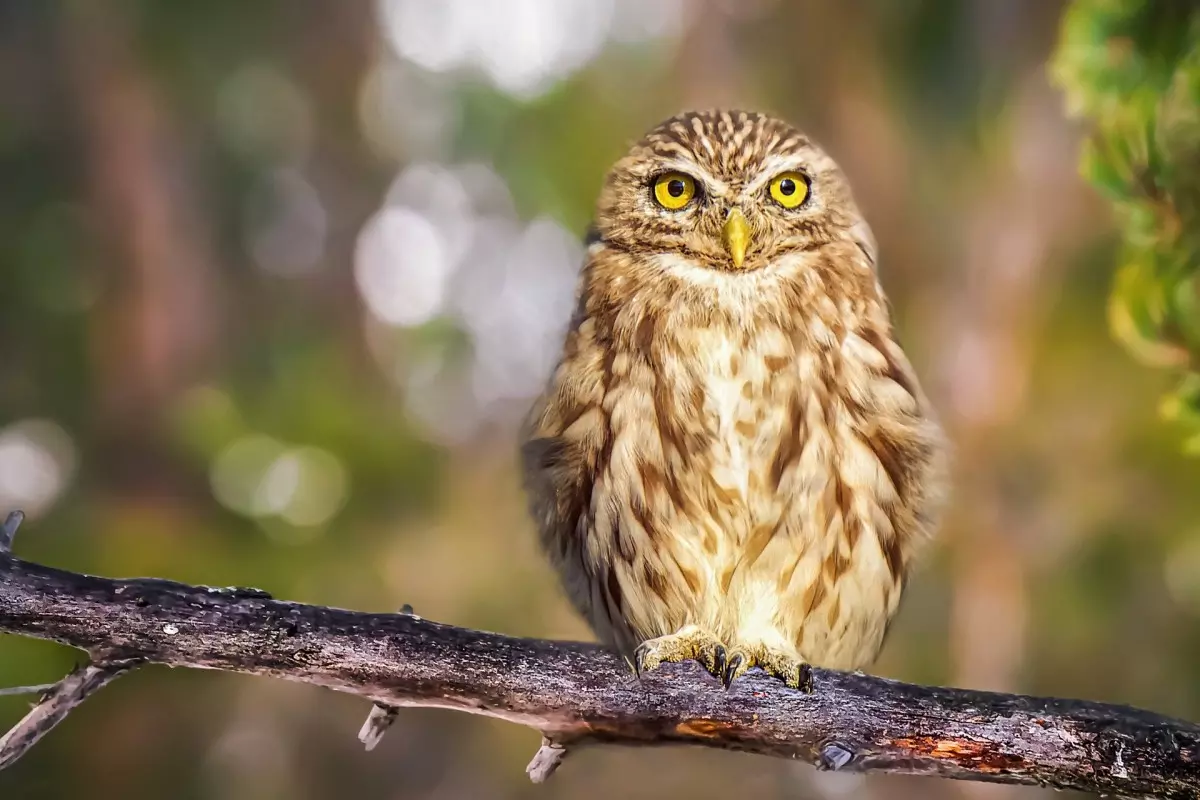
x=278 y=280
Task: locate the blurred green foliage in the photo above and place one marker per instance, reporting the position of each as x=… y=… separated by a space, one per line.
x=1132 y=67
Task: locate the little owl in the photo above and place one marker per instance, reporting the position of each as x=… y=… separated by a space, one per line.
x=733 y=461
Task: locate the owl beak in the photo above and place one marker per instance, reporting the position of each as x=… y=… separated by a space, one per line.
x=736 y=236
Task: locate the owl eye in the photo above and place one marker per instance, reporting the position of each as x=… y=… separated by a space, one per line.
x=674 y=190
x=790 y=189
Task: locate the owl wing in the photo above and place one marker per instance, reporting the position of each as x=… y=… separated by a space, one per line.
x=561 y=441
x=560 y=476
x=558 y=480
x=565 y=447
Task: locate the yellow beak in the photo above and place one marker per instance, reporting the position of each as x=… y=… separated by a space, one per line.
x=736 y=236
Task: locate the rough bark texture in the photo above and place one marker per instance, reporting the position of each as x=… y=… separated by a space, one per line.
x=579 y=694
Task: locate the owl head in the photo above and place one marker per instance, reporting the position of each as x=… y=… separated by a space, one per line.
x=729 y=190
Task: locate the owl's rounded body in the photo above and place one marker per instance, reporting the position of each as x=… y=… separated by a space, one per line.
x=733 y=460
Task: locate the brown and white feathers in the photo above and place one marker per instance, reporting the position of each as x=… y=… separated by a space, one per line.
x=733 y=442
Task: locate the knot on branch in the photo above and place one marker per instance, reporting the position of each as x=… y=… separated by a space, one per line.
x=834 y=756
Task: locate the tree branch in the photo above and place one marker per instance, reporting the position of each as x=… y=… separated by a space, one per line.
x=577 y=694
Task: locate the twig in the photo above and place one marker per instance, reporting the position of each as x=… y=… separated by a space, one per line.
x=40 y=688
x=546 y=760
x=577 y=694
x=9 y=530
x=378 y=721
x=61 y=699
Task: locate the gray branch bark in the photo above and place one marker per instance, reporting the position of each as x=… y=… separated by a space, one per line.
x=577 y=694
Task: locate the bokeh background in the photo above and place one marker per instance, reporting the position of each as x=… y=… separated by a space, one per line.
x=279 y=279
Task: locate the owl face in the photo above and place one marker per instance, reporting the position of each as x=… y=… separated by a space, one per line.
x=729 y=190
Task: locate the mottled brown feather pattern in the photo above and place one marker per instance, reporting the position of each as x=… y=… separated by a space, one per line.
x=748 y=451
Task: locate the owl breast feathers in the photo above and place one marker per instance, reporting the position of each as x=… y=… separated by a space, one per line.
x=733 y=460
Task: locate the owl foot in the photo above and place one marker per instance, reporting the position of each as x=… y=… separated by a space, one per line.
x=778 y=663
x=689 y=644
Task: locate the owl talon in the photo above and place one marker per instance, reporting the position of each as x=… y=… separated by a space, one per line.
x=689 y=644
x=718 y=665
x=734 y=669
x=794 y=673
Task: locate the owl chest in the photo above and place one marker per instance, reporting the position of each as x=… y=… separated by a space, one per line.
x=743 y=419
x=743 y=396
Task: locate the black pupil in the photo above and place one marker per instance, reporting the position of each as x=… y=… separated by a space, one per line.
x=675 y=188
x=787 y=187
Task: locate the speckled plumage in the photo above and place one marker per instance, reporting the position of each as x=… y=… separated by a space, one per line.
x=733 y=460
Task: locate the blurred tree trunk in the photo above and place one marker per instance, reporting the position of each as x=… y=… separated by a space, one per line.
x=156 y=323
x=992 y=313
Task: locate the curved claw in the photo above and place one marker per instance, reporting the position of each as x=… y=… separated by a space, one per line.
x=718 y=661
x=736 y=666
x=640 y=655
x=794 y=672
x=804 y=680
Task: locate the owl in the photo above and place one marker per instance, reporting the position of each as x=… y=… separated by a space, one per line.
x=733 y=461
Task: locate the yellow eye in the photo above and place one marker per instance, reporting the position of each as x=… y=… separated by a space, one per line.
x=674 y=190
x=789 y=189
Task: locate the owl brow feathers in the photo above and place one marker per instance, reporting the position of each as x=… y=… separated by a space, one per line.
x=730 y=141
